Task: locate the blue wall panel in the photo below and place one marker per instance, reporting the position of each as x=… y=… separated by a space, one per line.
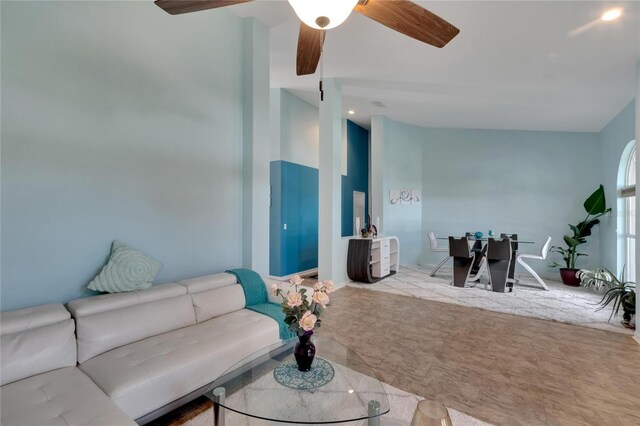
x=295 y=198
x=357 y=178
x=300 y=213
x=294 y=202
x=275 y=235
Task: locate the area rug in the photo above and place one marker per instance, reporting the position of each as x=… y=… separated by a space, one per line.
x=571 y=305
x=402 y=406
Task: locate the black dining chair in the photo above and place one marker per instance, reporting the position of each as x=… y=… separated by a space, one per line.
x=499 y=259
x=514 y=254
x=462 y=260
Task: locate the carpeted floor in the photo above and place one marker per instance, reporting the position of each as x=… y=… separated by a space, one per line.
x=571 y=305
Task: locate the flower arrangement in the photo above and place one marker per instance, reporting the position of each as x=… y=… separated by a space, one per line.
x=301 y=315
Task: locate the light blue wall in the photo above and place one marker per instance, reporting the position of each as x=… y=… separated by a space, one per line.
x=256 y=145
x=530 y=183
x=613 y=139
x=118 y=121
x=403 y=146
x=524 y=182
x=299 y=131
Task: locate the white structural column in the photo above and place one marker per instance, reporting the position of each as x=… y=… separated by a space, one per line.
x=331 y=260
x=275 y=123
x=637 y=334
x=377 y=170
x=255 y=147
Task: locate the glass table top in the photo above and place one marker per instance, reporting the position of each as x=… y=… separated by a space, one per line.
x=252 y=390
x=473 y=238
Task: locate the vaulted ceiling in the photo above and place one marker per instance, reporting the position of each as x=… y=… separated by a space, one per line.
x=531 y=65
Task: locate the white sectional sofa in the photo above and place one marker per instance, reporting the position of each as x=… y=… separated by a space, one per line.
x=41 y=384
x=140 y=352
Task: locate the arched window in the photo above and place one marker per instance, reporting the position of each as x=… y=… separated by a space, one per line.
x=628 y=194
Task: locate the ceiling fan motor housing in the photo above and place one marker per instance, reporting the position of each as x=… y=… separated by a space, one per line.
x=322 y=21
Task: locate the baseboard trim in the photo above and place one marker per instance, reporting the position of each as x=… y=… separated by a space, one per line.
x=636 y=337
x=307 y=273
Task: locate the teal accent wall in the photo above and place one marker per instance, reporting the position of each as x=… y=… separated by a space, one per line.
x=294 y=202
x=294 y=168
x=357 y=178
x=275 y=215
x=119 y=121
x=613 y=139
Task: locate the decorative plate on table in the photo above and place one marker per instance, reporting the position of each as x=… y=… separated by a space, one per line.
x=287 y=374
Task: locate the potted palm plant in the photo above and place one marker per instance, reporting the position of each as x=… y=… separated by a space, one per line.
x=595 y=206
x=620 y=293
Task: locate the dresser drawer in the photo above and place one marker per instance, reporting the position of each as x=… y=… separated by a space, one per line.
x=381 y=268
x=380 y=243
x=379 y=254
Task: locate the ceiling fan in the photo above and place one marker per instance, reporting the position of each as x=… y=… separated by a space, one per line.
x=317 y=16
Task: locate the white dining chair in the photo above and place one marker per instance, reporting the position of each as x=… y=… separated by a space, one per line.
x=541 y=256
x=433 y=242
x=481 y=270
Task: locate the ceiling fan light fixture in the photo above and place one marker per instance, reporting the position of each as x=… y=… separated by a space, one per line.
x=323 y=14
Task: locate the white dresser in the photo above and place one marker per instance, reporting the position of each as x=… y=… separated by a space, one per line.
x=370 y=260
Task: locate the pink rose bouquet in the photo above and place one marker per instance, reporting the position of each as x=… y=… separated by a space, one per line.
x=302 y=314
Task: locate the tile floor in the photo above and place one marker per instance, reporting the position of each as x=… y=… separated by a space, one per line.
x=561 y=303
x=500 y=368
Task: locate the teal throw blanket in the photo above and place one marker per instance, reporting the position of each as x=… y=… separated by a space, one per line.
x=257 y=298
x=274 y=311
x=255 y=291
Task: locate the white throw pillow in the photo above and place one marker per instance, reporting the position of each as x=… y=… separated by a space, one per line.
x=128 y=269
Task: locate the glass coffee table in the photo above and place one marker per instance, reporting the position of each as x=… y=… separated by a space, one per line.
x=340 y=387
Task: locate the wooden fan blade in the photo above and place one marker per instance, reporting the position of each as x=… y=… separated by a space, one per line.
x=176 y=7
x=410 y=19
x=310 y=43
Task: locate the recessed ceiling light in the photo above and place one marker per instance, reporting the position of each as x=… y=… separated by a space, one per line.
x=611 y=15
x=351 y=112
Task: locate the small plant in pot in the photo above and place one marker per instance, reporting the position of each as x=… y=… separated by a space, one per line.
x=620 y=293
x=595 y=206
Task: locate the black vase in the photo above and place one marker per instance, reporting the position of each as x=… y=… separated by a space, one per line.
x=304 y=351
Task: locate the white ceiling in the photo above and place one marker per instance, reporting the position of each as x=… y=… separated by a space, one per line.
x=530 y=65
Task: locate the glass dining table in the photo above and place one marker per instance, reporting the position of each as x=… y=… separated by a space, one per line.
x=485 y=239
x=477 y=247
